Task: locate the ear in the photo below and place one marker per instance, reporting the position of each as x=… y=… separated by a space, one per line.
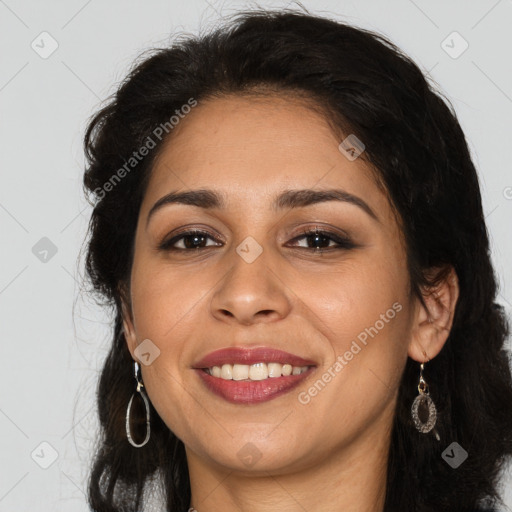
x=128 y=326
x=433 y=321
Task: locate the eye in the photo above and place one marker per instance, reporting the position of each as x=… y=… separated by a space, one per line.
x=188 y=240
x=196 y=239
x=321 y=241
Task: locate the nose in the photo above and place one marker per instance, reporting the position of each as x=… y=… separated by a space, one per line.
x=251 y=292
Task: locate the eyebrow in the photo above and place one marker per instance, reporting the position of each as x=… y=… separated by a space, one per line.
x=210 y=199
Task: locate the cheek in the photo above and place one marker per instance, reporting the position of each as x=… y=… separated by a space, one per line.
x=164 y=299
x=363 y=311
x=165 y=312
x=363 y=298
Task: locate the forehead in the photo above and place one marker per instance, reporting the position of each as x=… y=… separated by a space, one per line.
x=250 y=147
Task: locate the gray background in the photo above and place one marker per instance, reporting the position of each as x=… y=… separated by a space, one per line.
x=53 y=337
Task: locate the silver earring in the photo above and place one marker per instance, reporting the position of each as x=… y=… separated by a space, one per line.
x=146 y=403
x=423 y=400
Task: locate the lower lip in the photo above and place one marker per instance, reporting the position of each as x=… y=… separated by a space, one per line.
x=250 y=392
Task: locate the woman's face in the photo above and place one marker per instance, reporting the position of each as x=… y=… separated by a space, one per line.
x=254 y=279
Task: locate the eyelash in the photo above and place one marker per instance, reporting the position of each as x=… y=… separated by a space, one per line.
x=343 y=242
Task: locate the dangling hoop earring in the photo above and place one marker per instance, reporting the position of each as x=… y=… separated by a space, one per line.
x=422 y=400
x=146 y=403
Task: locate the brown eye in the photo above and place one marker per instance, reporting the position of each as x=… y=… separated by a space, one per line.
x=316 y=241
x=321 y=240
x=188 y=240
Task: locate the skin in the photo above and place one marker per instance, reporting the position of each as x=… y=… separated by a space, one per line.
x=312 y=456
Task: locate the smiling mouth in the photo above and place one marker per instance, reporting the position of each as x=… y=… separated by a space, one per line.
x=254 y=372
x=237 y=386
x=243 y=375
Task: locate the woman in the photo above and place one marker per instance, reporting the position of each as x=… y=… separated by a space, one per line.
x=288 y=225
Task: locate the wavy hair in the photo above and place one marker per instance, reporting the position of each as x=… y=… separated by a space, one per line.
x=364 y=85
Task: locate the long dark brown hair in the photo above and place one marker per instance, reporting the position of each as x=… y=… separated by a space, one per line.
x=419 y=152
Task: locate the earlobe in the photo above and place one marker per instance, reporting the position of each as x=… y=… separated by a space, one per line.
x=433 y=321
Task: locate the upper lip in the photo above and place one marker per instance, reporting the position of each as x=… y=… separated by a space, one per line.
x=239 y=355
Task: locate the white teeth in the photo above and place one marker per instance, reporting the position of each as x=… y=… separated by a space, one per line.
x=226 y=372
x=287 y=369
x=274 y=369
x=240 y=372
x=257 y=371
